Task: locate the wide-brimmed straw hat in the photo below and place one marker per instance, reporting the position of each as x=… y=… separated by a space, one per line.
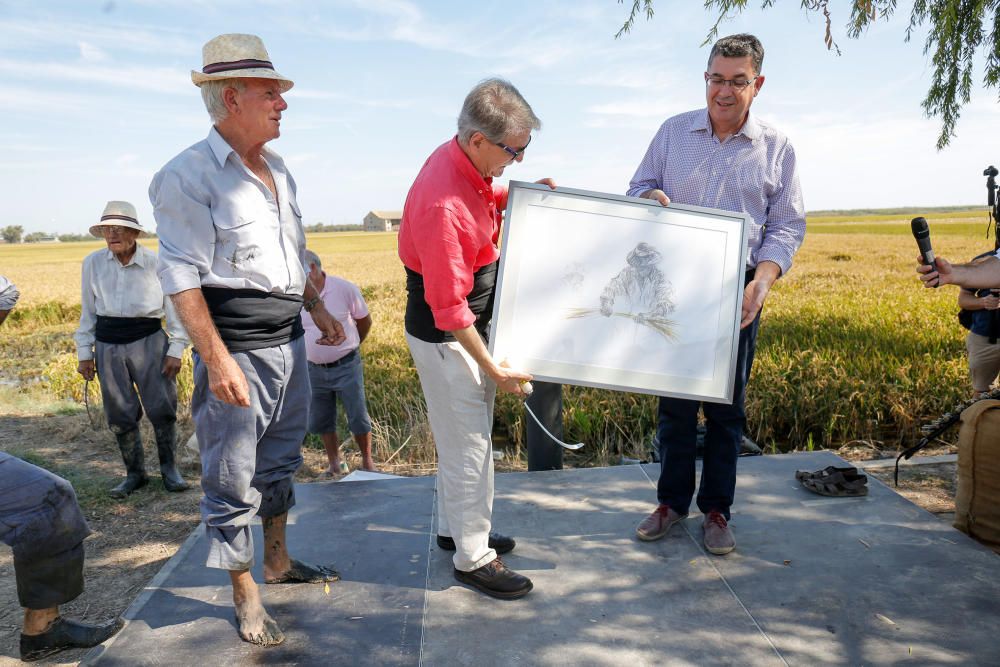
x=237 y=56
x=118 y=214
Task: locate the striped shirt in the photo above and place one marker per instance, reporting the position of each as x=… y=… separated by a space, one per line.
x=753 y=171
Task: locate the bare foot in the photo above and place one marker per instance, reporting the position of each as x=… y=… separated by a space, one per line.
x=369 y=465
x=255 y=624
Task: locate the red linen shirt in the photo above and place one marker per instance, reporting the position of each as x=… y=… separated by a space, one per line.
x=450 y=227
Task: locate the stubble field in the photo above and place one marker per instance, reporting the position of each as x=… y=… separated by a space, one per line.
x=851 y=348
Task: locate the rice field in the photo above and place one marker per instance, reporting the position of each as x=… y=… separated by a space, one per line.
x=851 y=347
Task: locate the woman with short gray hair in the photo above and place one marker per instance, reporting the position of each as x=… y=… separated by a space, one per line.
x=448 y=244
x=495 y=108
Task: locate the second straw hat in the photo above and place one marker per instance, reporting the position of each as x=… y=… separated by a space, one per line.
x=118 y=214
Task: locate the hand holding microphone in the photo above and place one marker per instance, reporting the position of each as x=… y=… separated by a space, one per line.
x=928 y=268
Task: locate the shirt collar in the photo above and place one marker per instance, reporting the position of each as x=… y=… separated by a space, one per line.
x=222 y=150
x=136 y=256
x=220 y=147
x=751 y=128
x=464 y=164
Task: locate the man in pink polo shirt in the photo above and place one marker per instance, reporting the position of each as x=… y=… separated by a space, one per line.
x=448 y=243
x=335 y=371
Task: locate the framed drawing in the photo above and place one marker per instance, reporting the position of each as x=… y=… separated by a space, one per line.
x=616 y=292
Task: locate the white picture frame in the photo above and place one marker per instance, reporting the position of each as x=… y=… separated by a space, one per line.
x=621 y=293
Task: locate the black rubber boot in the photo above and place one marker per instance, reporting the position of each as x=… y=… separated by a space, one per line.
x=130 y=444
x=64 y=634
x=166 y=447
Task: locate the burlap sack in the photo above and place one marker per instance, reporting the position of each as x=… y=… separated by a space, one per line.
x=977 y=501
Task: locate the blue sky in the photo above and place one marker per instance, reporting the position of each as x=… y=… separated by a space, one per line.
x=97 y=96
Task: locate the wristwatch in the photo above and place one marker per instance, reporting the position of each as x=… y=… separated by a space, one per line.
x=310 y=304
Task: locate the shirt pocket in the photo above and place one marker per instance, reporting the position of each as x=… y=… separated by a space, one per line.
x=245 y=231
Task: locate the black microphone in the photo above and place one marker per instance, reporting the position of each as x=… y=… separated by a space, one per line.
x=923 y=236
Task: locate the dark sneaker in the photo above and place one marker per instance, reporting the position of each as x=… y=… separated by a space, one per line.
x=497 y=580
x=719 y=538
x=656 y=525
x=64 y=634
x=499 y=543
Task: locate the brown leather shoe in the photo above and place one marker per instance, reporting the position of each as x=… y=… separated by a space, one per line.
x=656 y=525
x=496 y=580
x=719 y=538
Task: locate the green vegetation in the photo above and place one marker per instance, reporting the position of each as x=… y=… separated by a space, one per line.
x=851 y=347
x=968 y=223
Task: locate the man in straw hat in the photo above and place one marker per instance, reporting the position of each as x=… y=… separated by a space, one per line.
x=448 y=244
x=231 y=253
x=640 y=286
x=121 y=340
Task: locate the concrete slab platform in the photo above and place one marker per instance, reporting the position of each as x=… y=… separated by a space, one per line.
x=814 y=580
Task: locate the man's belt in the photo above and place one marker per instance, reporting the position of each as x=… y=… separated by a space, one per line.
x=122 y=330
x=343 y=360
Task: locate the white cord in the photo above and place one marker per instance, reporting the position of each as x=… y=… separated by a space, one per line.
x=542 y=426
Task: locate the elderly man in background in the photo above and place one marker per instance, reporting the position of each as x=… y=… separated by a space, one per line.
x=722 y=157
x=231 y=255
x=335 y=371
x=121 y=307
x=42 y=523
x=448 y=244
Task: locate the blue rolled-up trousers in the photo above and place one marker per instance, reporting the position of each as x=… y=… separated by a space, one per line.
x=249 y=455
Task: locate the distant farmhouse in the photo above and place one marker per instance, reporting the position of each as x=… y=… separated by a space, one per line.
x=383 y=221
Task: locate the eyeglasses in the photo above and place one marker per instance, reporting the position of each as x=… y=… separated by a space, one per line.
x=514 y=153
x=738 y=84
x=113 y=230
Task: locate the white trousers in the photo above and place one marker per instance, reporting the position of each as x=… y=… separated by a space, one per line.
x=459 y=400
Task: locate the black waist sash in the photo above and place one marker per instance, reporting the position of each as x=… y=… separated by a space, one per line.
x=420 y=319
x=249 y=319
x=121 y=330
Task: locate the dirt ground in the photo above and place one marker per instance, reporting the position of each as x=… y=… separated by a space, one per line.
x=132 y=539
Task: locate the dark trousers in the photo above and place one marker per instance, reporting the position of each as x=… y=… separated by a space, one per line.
x=42 y=522
x=122 y=367
x=677 y=432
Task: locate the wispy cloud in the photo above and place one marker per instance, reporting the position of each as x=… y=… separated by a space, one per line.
x=153 y=79
x=37 y=33
x=393 y=21
x=92 y=54
x=310 y=94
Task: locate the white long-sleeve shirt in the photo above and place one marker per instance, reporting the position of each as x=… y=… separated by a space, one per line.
x=220 y=226
x=132 y=290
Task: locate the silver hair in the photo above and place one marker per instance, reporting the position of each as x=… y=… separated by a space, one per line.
x=739 y=46
x=311 y=258
x=495 y=108
x=211 y=93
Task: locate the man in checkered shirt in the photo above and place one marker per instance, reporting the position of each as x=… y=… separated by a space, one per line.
x=724 y=157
